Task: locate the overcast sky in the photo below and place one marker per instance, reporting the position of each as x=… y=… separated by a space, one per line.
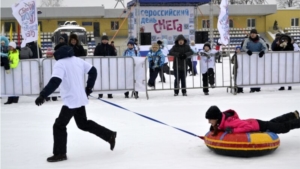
x=106 y=3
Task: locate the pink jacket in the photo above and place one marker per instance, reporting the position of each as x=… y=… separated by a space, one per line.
x=238 y=125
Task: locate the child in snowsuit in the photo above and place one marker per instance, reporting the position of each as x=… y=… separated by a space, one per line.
x=207 y=67
x=156 y=62
x=230 y=122
x=131 y=52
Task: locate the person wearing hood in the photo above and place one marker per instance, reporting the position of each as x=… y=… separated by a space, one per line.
x=254 y=44
x=4 y=53
x=75 y=44
x=104 y=49
x=131 y=52
x=276 y=43
x=285 y=44
x=180 y=51
x=163 y=45
x=230 y=122
x=68 y=74
x=34 y=49
x=207 y=67
x=156 y=61
x=63 y=39
x=13 y=58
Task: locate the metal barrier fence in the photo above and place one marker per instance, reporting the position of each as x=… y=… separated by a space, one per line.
x=113 y=73
x=23 y=80
x=222 y=70
x=274 y=68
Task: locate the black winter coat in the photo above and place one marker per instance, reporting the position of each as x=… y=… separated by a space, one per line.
x=33 y=48
x=104 y=50
x=178 y=50
x=78 y=50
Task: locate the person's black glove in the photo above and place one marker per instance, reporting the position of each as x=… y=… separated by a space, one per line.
x=261 y=54
x=151 y=63
x=40 y=100
x=88 y=91
x=249 y=52
x=228 y=129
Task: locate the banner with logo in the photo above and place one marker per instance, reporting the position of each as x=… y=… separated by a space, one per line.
x=163 y=23
x=223 y=23
x=25 y=13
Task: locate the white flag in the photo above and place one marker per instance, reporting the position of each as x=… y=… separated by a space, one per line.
x=26 y=14
x=223 y=23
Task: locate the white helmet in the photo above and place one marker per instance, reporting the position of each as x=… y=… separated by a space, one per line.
x=13 y=44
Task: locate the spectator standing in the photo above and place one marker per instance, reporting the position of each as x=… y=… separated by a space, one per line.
x=104 y=49
x=4 y=55
x=25 y=53
x=156 y=61
x=77 y=47
x=34 y=48
x=254 y=44
x=131 y=52
x=13 y=58
x=235 y=67
x=181 y=51
x=194 y=58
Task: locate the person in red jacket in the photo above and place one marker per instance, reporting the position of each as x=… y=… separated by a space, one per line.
x=230 y=122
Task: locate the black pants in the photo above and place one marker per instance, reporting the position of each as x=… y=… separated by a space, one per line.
x=153 y=76
x=180 y=77
x=60 y=130
x=5 y=63
x=281 y=124
x=208 y=77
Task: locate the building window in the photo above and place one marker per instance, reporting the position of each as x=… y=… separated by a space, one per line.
x=114 y=25
x=205 y=23
x=60 y=23
x=7 y=26
x=87 y=23
x=251 y=23
x=295 y=22
x=230 y=23
x=41 y=26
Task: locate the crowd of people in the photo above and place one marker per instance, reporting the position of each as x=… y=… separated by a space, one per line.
x=254 y=43
x=185 y=58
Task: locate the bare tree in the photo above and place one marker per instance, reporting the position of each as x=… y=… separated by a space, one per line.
x=288 y=3
x=51 y=3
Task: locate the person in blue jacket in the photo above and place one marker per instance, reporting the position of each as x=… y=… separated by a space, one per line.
x=131 y=52
x=156 y=60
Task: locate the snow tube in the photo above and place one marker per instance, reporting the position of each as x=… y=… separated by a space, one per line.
x=242 y=144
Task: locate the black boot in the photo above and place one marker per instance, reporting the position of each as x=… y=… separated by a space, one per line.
x=126 y=94
x=47 y=99
x=136 y=95
x=9 y=100
x=15 y=99
x=281 y=88
x=100 y=96
x=109 y=96
x=56 y=158
x=54 y=98
x=290 y=88
x=112 y=141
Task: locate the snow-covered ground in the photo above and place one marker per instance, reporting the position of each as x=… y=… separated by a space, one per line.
x=26 y=132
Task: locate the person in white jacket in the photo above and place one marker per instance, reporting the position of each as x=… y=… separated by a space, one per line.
x=194 y=58
x=207 y=67
x=165 y=68
x=296 y=47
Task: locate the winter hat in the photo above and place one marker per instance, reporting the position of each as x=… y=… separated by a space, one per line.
x=238 y=47
x=130 y=42
x=159 y=42
x=63 y=51
x=12 y=44
x=104 y=37
x=213 y=113
x=278 y=35
x=253 y=31
x=208 y=45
